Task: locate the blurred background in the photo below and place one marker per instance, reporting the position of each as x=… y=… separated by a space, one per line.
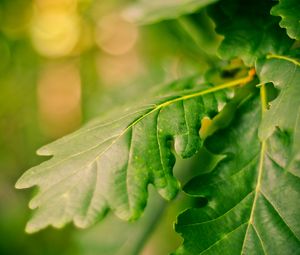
x=62 y=62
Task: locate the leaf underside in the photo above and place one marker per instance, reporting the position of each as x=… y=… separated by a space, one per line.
x=147 y=12
x=108 y=164
x=253 y=200
x=248 y=32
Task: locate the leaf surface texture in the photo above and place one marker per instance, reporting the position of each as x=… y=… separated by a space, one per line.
x=248 y=32
x=109 y=163
x=289 y=12
x=253 y=199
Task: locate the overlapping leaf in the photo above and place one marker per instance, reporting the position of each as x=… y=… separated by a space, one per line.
x=253 y=200
x=284 y=73
x=284 y=112
x=249 y=32
x=289 y=12
x=109 y=163
x=145 y=12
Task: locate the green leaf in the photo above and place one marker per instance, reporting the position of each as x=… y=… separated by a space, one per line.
x=289 y=11
x=248 y=29
x=147 y=12
x=253 y=200
x=284 y=73
x=109 y=163
x=284 y=111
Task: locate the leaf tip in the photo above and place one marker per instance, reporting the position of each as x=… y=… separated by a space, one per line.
x=24 y=181
x=43 y=151
x=33 y=204
x=31 y=228
x=20 y=184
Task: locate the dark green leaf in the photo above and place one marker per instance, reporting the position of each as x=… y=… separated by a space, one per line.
x=289 y=11
x=248 y=29
x=253 y=200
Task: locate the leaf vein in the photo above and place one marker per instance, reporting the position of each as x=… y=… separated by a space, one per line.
x=215 y=243
x=219 y=217
x=281 y=217
x=260 y=239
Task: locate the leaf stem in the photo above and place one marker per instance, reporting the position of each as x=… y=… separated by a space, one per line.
x=263 y=98
x=226 y=85
x=294 y=61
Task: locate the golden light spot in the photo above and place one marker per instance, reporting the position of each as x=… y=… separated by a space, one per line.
x=114 y=35
x=116 y=70
x=59 y=99
x=55 y=33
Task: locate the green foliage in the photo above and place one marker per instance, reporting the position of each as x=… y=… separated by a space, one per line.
x=241 y=131
x=118 y=157
x=248 y=194
x=284 y=73
x=288 y=10
x=249 y=32
x=284 y=112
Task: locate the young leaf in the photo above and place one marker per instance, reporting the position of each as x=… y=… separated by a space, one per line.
x=289 y=11
x=109 y=163
x=146 y=12
x=253 y=200
x=244 y=39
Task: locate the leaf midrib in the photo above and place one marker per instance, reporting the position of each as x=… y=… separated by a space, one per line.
x=263 y=153
x=256 y=191
x=182 y=98
x=263 y=99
